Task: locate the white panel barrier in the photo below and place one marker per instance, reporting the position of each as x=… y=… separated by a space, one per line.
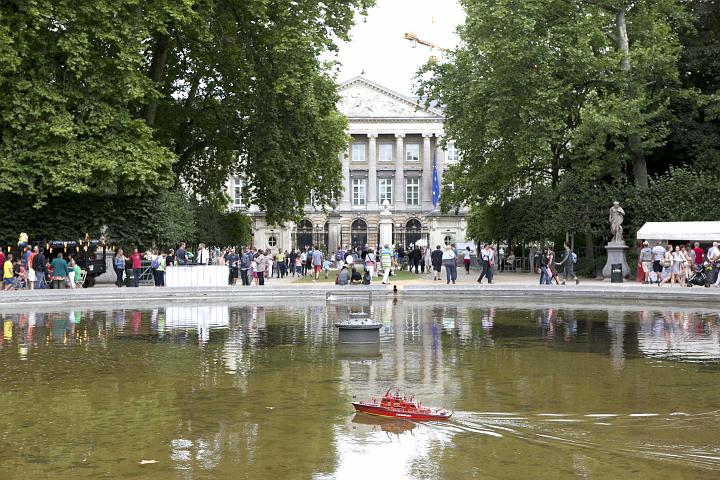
x=197 y=276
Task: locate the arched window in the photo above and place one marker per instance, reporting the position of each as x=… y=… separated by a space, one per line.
x=413 y=232
x=304 y=234
x=358 y=233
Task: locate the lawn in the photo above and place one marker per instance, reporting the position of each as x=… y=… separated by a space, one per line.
x=399 y=275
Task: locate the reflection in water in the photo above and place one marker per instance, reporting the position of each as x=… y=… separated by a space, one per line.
x=217 y=389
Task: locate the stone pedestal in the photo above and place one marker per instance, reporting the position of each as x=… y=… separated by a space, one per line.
x=333 y=231
x=386 y=225
x=616 y=253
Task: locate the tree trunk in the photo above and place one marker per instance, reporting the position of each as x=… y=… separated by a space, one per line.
x=157 y=70
x=634 y=143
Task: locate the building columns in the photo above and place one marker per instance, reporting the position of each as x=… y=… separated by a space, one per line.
x=399 y=184
x=372 y=172
x=426 y=195
x=346 y=181
x=439 y=162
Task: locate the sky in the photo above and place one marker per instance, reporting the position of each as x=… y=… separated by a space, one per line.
x=377 y=45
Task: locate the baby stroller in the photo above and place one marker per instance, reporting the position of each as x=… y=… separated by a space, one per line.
x=698 y=277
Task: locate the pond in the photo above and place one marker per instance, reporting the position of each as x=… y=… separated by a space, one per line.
x=252 y=391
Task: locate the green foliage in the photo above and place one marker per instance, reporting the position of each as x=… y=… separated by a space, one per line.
x=579 y=205
x=69 y=74
x=218 y=228
x=163 y=219
x=127 y=98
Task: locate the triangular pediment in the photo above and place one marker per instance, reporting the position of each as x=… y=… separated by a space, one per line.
x=361 y=98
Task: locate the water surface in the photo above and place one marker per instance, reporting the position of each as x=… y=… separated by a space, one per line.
x=228 y=391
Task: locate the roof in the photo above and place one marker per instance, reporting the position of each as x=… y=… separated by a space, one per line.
x=680 y=231
x=371 y=100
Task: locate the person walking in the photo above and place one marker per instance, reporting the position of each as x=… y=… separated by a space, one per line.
x=436 y=258
x=450 y=262
x=485 y=259
x=386 y=256
x=467 y=259
x=678 y=266
x=427 y=258
x=119 y=265
x=568 y=264
x=658 y=252
x=668 y=267
x=317 y=261
x=370 y=263
x=60 y=272
x=645 y=260
x=262 y=265
x=545 y=277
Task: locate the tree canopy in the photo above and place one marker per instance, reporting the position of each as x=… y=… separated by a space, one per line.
x=126 y=97
x=560 y=106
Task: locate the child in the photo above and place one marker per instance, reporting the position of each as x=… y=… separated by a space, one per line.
x=298 y=265
x=326 y=266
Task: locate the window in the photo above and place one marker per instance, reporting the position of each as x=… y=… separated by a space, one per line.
x=412 y=191
x=237 y=193
x=452 y=153
x=358 y=191
x=358 y=152
x=386 y=152
x=412 y=152
x=385 y=190
x=272 y=241
x=448 y=239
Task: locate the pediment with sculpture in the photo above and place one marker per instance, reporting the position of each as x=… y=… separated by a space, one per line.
x=360 y=98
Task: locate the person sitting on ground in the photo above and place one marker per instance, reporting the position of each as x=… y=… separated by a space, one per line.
x=343 y=277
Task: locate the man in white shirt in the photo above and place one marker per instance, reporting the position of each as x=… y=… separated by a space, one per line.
x=658 y=253
x=487 y=255
x=713 y=256
x=203 y=255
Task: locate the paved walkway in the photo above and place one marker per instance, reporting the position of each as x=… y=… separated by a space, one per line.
x=517 y=286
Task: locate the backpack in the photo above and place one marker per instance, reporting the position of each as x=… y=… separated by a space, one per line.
x=366 y=278
x=574 y=257
x=156 y=263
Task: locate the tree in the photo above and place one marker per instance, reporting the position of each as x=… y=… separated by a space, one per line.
x=241 y=92
x=128 y=98
x=70 y=72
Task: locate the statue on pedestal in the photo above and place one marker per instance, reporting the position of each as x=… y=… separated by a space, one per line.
x=617 y=214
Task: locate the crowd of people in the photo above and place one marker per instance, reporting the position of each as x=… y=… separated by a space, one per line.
x=33 y=270
x=658 y=264
x=661 y=264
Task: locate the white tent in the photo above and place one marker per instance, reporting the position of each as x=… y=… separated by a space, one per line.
x=680 y=231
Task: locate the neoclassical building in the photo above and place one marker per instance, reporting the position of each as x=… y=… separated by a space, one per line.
x=390 y=157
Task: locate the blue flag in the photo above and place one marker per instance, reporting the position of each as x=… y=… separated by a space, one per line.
x=435 y=183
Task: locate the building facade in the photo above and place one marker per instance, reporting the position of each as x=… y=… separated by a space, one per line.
x=390 y=158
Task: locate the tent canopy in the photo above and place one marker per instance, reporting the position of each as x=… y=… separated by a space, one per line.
x=680 y=231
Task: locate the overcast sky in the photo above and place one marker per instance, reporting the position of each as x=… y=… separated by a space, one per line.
x=378 y=47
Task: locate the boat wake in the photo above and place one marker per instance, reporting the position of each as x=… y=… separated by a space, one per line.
x=671 y=437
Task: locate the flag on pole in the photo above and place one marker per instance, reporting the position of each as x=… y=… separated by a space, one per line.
x=435 y=182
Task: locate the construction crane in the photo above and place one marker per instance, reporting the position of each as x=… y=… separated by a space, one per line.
x=415 y=40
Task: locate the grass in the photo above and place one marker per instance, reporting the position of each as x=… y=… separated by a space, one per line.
x=399 y=276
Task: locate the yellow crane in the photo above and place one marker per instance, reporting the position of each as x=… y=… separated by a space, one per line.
x=412 y=36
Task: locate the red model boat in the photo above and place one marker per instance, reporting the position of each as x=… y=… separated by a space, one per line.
x=392 y=404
